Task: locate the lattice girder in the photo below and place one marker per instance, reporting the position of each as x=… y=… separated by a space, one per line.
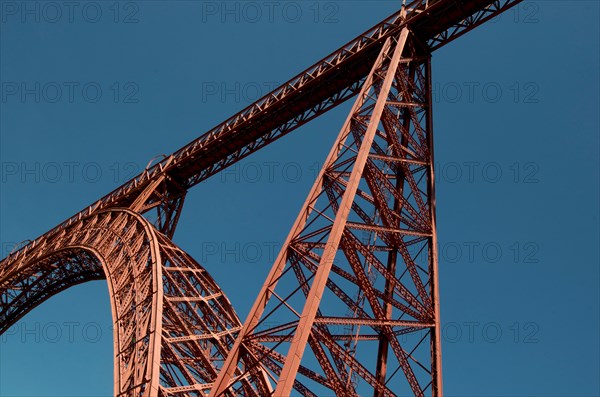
x=173 y=325
x=364 y=242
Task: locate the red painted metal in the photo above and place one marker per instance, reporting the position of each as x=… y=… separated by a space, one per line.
x=172 y=322
x=361 y=256
x=353 y=254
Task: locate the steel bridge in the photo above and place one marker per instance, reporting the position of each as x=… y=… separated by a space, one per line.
x=361 y=257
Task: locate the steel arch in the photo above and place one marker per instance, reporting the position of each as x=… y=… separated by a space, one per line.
x=172 y=323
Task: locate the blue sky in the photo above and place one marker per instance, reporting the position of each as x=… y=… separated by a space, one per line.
x=90 y=94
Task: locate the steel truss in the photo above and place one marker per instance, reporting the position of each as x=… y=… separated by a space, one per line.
x=173 y=324
x=364 y=244
x=351 y=303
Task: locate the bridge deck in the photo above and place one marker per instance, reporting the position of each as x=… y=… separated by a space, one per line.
x=311 y=93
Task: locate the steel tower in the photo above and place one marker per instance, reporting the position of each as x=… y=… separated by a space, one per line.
x=351 y=304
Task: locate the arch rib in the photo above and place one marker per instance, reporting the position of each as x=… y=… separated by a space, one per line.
x=172 y=323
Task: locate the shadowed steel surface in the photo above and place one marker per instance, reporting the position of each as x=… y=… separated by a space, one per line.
x=353 y=292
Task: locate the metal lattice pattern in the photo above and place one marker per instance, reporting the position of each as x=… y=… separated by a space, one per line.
x=364 y=244
x=351 y=304
x=173 y=326
x=313 y=92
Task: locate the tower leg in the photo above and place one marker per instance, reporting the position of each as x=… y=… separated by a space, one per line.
x=361 y=256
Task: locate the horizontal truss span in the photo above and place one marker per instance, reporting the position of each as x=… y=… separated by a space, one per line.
x=313 y=92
